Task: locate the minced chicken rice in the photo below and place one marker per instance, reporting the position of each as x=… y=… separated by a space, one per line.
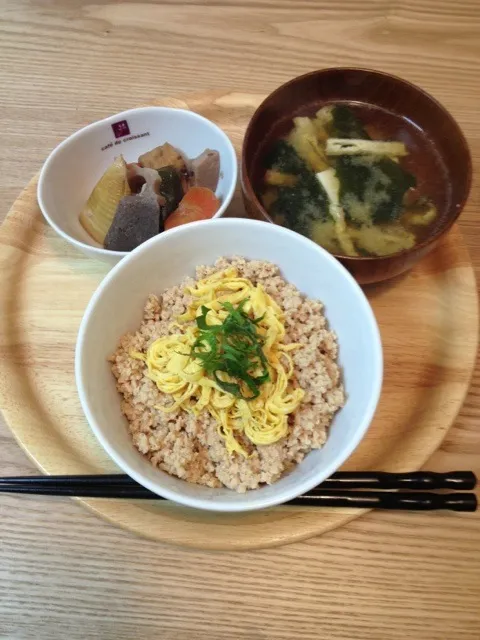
x=190 y=447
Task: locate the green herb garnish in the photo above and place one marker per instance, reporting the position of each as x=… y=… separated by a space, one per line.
x=232 y=347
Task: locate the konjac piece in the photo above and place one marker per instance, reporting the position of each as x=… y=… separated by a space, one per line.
x=137 y=219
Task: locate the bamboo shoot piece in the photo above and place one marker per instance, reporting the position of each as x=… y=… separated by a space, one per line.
x=97 y=216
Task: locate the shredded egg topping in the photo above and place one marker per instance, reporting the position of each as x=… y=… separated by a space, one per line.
x=263 y=419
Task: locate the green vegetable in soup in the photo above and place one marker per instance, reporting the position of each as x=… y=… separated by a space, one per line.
x=372 y=188
x=283 y=158
x=297 y=205
x=345 y=124
x=300 y=205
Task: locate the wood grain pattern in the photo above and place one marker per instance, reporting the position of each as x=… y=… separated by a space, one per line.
x=40 y=273
x=65 y=572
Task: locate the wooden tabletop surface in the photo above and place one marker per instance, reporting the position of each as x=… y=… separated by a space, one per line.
x=64 y=573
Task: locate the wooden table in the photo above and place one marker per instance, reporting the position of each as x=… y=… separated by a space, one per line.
x=64 y=572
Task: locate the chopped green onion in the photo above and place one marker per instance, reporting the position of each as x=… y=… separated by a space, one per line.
x=233 y=348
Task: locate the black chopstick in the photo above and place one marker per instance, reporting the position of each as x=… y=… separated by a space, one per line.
x=337 y=491
x=380 y=480
x=401 y=500
x=398 y=500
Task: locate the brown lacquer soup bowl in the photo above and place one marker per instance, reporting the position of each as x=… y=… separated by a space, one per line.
x=438 y=156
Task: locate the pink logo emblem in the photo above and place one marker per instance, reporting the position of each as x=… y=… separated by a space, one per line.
x=121 y=129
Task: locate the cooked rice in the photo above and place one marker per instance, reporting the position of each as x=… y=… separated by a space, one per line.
x=190 y=447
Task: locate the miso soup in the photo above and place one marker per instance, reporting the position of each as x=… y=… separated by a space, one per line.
x=351 y=178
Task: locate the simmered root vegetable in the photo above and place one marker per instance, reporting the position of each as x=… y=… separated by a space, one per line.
x=98 y=213
x=199 y=203
x=328 y=180
x=134 y=202
x=164 y=156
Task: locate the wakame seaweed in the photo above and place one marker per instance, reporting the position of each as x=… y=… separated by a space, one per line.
x=346 y=125
x=379 y=184
x=282 y=157
x=303 y=203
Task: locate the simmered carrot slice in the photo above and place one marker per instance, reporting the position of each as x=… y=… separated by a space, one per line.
x=199 y=203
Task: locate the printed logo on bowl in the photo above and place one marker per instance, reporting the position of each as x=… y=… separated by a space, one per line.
x=121 y=129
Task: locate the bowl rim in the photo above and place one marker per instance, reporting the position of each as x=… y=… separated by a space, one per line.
x=211 y=504
x=42 y=180
x=441 y=230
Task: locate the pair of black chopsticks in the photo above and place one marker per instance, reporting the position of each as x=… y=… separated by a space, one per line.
x=356 y=489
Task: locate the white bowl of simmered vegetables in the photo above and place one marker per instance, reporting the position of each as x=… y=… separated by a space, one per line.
x=367 y=165
x=120 y=181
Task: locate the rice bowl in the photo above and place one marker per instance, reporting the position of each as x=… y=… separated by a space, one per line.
x=189 y=443
x=117 y=307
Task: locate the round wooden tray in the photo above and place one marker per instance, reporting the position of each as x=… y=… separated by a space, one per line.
x=428 y=320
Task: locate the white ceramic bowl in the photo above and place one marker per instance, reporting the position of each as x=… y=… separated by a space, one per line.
x=75 y=166
x=116 y=308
